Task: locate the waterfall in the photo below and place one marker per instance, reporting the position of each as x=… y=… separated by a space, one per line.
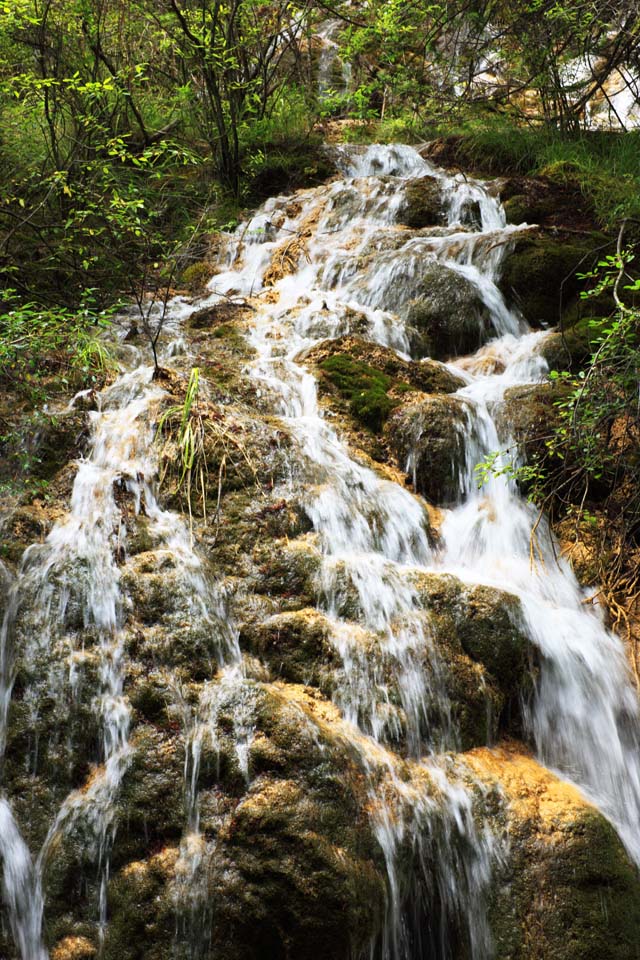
x=68 y=594
x=372 y=532
x=356 y=269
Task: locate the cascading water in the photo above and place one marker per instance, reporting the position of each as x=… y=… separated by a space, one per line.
x=356 y=270
x=67 y=595
x=357 y=263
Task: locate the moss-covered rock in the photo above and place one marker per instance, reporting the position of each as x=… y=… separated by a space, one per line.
x=295 y=644
x=223 y=312
x=197 y=275
x=428 y=439
x=567 y=889
x=528 y=415
x=550 y=201
x=366 y=388
x=169 y=624
x=571 y=347
x=283 y=865
x=364 y=382
x=289 y=571
x=247 y=520
x=539 y=275
x=486 y=656
x=142 y=923
x=427 y=376
x=151 y=803
x=448 y=318
x=423 y=203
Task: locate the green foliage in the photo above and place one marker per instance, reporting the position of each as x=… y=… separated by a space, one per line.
x=604 y=165
x=39 y=345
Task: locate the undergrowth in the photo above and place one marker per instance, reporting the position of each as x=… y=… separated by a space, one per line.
x=49 y=350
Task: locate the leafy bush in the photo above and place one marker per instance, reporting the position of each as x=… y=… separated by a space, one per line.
x=38 y=346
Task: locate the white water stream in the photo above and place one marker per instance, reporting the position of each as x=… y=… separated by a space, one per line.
x=358 y=264
x=356 y=271
x=75 y=575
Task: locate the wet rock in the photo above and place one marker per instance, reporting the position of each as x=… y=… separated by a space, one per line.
x=168 y=625
x=423 y=205
x=150 y=805
x=567 y=890
x=222 y=353
x=297 y=857
x=295 y=644
x=571 y=348
x=288 y=570
x=57 y=440
x=142 y=910
x=225 y=311
x=539 y=275
x=487 y=659
x=428 y=438
x=448 y=318
x=289 y=865
x=528 y=415
x=245 y=521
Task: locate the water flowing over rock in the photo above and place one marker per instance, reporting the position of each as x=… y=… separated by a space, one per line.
x=238 y=733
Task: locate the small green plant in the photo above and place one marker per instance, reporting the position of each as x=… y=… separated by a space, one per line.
x=189 y=439
x=194 y=434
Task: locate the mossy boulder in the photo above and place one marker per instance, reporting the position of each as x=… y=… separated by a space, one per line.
x=142 y=914
x=528 y=415
x=197 y=275
x=284 y=864
x=223 y=312
x=57 y=440
x=370 y=380
x=289 y=885
x=367 y=389
x=423 y=203
x=169 y=623
x=428 y=439
x=550 y=201
x=571 y=347
x=539 y=275
x=566 y=890
x=288 y=570
x=295 y=644
x=448 y=318
x=151 y=803
x=247 y=520
x=486 y=656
